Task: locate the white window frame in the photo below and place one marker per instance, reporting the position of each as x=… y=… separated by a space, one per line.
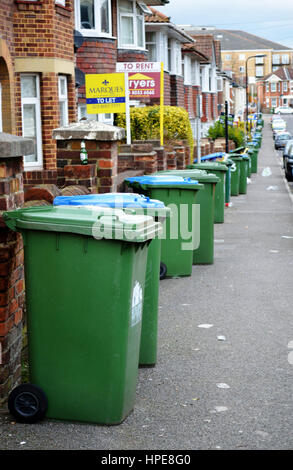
x=96 y=32
x=242 y=69
x=104 y=118
x=175 y=68
x=134 y=15
x=285 y=87
x=274 y=102
x=285 y=59
x=259 y=68
x=156 y=43
x=273 y=87
x=259 y=61
x=63 y=98
x=242 y=57
x=60 y=2
x=37 y=102
x=267 y=87
x=276 y=59
x=187 y=70
x=219 y=84
x=228 y=57
x=195 y=71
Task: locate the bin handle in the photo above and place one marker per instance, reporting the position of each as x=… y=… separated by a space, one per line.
x=113 y=217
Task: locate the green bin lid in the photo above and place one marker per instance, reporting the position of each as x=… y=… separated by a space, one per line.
x=228 y=161
x=236 y=158
x=202 y=176
x=209 y=166
x=99 y=222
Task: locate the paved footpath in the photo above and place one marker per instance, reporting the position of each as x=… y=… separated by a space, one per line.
x=247 y=297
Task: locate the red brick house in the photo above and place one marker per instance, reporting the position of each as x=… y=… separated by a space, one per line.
x=210 y=48
x=276 y=89
x=39 y=86
x=37 y=77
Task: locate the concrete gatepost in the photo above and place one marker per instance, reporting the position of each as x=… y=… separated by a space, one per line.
x=101 y=142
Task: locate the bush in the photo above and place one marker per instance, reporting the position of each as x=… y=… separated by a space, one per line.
x=145 y=124
x=234 y=133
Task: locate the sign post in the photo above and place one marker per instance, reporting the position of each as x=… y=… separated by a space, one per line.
x=162 y=105
x=145 y=81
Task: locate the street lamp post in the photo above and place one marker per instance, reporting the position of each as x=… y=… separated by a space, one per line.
x=246 y=84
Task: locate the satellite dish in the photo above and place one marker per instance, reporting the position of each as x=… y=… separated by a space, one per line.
x=78 y=40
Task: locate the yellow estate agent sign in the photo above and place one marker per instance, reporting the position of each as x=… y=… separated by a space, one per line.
x=105 y=93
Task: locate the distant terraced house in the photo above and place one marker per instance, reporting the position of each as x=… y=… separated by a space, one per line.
x=276 y=89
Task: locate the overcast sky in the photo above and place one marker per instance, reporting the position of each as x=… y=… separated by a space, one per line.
x=270 y=19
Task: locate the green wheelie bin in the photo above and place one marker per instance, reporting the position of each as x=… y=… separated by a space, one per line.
x=248 y=154
x=228 y=162
x=253 y=152
x=235 y=174
x=85 y=276
x=204 y=254
x=244 y=169
x=182 y=233
x=220 y=170
x=138 y=204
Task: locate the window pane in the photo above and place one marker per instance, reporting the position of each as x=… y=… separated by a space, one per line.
x=150 y=37
x=126 y=6
x=28 y=87
x=152 y=52
x=29 y=129
x=62 y=85
x=63 y=113
x=127 y=34
x=105 y=27
x=139 y=31
x=87 y=14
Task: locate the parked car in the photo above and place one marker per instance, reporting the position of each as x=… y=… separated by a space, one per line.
x=284 y=110
x=275 y=118
x=288 y=163
x=281 y=139
x=286 y=149
x=278 y=126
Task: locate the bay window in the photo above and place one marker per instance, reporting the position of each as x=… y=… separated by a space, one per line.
x=93 y=17
x=151 y=46
x=130 y=25
x=187 y=70
x=174 y=57
x=31 y=117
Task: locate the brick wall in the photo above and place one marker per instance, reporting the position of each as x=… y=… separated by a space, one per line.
x=39 y=31
x=177 y=91
x=11 y=265
x=101 y=142
x=189 y=104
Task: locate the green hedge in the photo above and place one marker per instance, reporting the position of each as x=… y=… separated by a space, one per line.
x=145 y=124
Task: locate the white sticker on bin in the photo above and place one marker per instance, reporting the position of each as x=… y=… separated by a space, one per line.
x=136 y=307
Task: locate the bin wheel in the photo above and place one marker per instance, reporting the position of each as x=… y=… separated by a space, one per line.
x=27 y=403
x=163 y=270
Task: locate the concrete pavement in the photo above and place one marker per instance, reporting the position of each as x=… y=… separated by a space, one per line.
x=207 y=392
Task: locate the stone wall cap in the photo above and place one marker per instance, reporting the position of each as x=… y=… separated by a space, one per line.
x=89 y=130
x=15 y=146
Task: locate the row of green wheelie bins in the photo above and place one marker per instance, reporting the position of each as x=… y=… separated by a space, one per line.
x=93 y=265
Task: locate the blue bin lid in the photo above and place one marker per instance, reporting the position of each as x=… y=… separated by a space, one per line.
x=168 y=180
x=117 y=200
